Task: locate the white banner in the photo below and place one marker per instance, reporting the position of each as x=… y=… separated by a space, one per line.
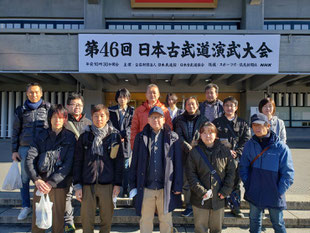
x=179 y=54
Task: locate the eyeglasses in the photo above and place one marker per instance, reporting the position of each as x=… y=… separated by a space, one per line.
x=77 y=105
x=156 y=117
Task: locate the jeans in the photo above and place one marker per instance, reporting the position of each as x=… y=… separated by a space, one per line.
x=276 y=218
x=24 y=191
x=125 y=176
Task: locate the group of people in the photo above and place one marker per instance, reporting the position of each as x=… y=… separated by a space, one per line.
x=153 y=154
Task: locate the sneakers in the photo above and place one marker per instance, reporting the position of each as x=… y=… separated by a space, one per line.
x=24 y=213
x=237 y=213
x=69 y=227
x=187 y=212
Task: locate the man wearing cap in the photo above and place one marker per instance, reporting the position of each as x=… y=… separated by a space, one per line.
x=266 y=169
x=155 y=176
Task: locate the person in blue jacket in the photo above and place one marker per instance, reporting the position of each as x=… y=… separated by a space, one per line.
x=266 y=169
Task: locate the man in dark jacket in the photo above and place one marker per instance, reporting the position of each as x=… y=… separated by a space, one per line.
x=53 y=178
x=266 y=170
x=187 y=126
x=98 y=170
x=212 y=108
x=76 y=123
x=30 y=119
x=233 y=132
x=121 y=117
x=155 y=176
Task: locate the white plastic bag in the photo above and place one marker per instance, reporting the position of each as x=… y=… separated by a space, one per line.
x=13 y=179
x=44 y=212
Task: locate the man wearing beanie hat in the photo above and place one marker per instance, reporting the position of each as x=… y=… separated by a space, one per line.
x=266 y=169
x=155 y=175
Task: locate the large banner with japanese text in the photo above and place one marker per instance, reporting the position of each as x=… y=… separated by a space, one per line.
x=179 y=54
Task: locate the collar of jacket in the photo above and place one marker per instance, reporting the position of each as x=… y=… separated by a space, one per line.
x=72 y=118
x=147 y=107
x=215 y=149
x=216 y=102
x=273 y=139
x=111 y=129
x=169 y=137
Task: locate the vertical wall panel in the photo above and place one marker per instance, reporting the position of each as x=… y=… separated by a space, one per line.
x=53 y=98
x=59 y=98
x=11 y=113
x=4 y=111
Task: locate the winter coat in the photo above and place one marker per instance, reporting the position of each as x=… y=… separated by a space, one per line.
x=172 y=166
x=182 y=130
x=89 y=168
x=218 y=105
x=28 y=123
x=48 y=141
x=78 y=125
x=140 y=116
x=123 y=128
x=240 y=135
x=267 y=180
x=201 y=180
x=277 y=125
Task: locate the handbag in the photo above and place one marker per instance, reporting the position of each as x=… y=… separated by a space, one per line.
x=48 y=161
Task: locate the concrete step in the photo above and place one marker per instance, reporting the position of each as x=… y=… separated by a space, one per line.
x=297 y=204
x=293 y=218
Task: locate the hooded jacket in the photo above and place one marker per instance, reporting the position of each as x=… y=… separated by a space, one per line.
x=140 y=116
x=267 y=180
x=201 y=180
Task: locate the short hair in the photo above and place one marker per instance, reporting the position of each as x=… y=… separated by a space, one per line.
x=173 y=96
x=231 y=99
x=74 y=96
x=98 y=108
x=150 y=86
x=265 y=101
x=58 y=109
x=212 y=85
x=192 y=97
x=208 y=124
x=122 y=92
x=33 y=84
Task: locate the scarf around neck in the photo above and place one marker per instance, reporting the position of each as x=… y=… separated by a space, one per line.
x=100 y=134
x=33 y=106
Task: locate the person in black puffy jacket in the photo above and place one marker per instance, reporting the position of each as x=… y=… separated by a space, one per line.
x=30 y=119
x=49 y=165
x=98 y=170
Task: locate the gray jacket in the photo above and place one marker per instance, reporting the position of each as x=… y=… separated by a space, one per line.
x=277 y=125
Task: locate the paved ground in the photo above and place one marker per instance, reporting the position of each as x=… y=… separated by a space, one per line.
x=136 y=229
